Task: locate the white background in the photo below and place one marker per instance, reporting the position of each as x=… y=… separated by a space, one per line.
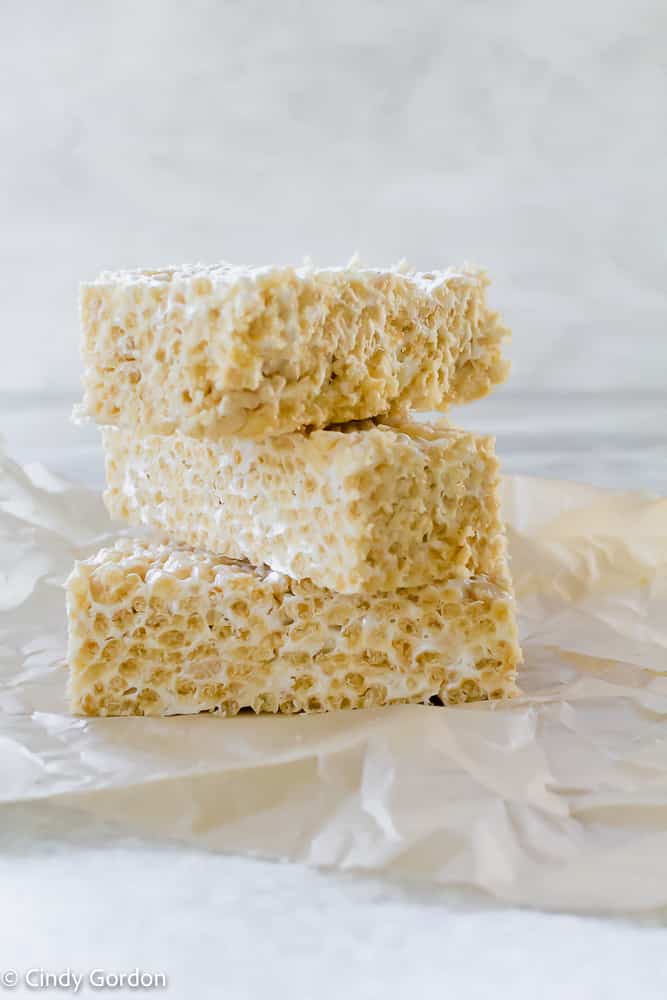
x=526 y=136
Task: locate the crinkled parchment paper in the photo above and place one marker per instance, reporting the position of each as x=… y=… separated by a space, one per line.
x=558 y=799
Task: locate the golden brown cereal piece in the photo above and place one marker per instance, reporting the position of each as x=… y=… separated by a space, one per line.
x=208 y=634
x=220 y=350
x=360 y=508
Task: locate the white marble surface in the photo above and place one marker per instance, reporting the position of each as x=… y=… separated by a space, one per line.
x=223 y=927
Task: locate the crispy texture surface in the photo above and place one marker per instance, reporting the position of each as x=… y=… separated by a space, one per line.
x=221 y=350
x=160 y=630
x=361 y=508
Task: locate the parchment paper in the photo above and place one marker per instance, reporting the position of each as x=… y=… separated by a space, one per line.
x=558 y=799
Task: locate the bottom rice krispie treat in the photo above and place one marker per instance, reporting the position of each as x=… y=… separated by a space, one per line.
x=158 y=629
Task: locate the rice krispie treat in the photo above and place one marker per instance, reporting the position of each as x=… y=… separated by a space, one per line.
x=359 y=508
x=157 y=629
x=260 y=351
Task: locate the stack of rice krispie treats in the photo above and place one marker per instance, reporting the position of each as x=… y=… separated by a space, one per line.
x=313 y=542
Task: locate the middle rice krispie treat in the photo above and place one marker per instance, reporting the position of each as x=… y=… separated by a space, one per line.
x=359 y=508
